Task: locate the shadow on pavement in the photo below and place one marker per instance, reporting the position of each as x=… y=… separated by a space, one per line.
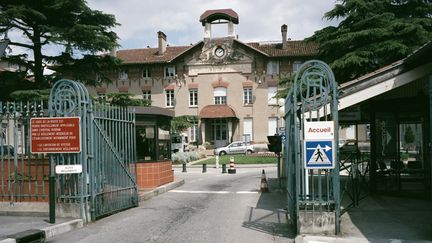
x=269 y=215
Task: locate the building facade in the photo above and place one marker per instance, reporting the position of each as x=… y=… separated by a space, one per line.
x=228 y=84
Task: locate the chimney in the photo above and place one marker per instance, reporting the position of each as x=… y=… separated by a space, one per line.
x=161 y=42
x=284 y=30
x=113 y=52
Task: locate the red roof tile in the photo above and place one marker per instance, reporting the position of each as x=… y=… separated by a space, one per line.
x=150 y=55
x=294 y=48
x=211 y=15
x=217 y=111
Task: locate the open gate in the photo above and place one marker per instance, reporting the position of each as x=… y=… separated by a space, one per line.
x=108 y=180
x=313 y=194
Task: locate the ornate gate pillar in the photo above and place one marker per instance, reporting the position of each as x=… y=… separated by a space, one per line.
x=313 y=192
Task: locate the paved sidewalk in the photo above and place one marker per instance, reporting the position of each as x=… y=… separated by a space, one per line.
x=28 y=226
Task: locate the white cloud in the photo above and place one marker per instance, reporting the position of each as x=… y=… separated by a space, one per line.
x=259 y=20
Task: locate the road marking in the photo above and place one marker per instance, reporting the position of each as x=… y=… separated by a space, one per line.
x=214 y=192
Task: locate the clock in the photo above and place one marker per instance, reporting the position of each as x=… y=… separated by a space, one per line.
x=219 y=52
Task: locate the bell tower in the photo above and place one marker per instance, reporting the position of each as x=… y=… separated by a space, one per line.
x=219 y=16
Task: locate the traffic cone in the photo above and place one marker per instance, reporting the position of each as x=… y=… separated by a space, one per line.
x=264 y=185
x=231 y=169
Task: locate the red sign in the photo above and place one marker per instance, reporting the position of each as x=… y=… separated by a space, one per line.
x=55 y=135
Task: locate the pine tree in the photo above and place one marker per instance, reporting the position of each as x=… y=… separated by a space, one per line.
x=68 y=23
x=372 y=33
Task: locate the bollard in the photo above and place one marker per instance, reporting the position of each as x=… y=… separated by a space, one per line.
x=232 y=169
x=184 y=167
x=204 y=168
x=223 y=168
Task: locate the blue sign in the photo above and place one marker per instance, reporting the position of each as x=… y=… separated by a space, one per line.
x=319 y=154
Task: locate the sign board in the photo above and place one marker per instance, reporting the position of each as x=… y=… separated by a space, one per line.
x=68 y=169
x=55 y=135
x=319 y=145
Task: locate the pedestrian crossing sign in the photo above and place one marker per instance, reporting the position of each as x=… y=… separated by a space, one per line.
x=319 y=154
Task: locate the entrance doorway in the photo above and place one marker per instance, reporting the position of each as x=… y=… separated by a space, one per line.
x=399 y=145
x=220 y=132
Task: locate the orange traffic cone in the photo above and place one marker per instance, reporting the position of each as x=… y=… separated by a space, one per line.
x=264 y=185
x=231 y=169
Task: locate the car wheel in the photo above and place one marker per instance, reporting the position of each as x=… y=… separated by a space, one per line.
x=249 y=152
x=222 y=153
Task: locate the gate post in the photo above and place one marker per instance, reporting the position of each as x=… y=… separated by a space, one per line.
x=311 y=154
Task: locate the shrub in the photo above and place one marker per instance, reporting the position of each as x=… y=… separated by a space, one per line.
x=185 y=157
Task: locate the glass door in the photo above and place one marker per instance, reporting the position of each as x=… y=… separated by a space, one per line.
x=220 y=128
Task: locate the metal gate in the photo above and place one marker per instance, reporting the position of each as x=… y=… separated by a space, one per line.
x=108 y=180
x=312 y=193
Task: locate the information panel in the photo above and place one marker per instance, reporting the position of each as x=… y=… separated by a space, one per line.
x=319 y=145
x=55 y=135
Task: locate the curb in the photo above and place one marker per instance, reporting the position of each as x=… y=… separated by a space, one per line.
x=36 y=235
x=162 y=189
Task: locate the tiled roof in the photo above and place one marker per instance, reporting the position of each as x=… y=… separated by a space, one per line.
x=217 y=111
x=294 y=48
x=211 y=15
x=150 y=55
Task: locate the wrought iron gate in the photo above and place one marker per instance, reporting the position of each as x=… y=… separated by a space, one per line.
x=108 y=180
x=311 y=192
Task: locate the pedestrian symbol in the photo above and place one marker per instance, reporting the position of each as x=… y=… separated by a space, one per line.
x=319 y=155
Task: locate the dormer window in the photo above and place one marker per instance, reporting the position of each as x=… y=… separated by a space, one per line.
x=273 y=68
x=169 y=72
x=123 y=74
x=146 y=73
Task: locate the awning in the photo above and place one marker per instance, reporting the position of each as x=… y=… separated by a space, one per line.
x=217 y=111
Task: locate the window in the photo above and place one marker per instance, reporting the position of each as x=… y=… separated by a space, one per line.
x=296 y=66
x=219 y=94
x=98 y=78
x=247 y=96
x=272 y=126
x=169 y=72
x=193 y=97
x=271 y=95
x=146 y=94
x=146 y=73
x=247 y=130
x=169 y=99
x=273 y=67
x=123 y=74
x=194 y=132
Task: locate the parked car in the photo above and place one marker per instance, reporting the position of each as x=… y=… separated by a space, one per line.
x=237 y=147
x=7 y=150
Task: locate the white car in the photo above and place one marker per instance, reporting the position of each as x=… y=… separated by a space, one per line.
x=238 y=147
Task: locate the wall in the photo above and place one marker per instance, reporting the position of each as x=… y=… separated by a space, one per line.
x=153 y=174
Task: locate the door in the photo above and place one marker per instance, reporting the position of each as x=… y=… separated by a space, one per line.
x=220 y=128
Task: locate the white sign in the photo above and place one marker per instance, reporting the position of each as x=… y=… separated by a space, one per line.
x=68 y=169
x=319 y=130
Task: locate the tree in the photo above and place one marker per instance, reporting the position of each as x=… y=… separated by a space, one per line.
x=68 y=23
x=181 y=123
x=372 y=33
x=125 y=99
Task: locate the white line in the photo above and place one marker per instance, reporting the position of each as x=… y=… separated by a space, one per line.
x=214 y=192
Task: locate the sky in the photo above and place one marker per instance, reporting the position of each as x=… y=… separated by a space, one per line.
x=259 y=20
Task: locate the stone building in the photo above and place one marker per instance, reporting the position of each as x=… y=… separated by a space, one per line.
x=228 y=84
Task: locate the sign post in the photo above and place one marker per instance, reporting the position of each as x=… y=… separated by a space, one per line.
x=319 y=145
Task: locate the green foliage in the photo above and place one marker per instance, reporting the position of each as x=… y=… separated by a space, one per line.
x=285 y=84
x=125 y=99
x=181 y=123
x=30 y=95
x=409 y=135
x=68 y=23
x=186 y=157
x=372 y=33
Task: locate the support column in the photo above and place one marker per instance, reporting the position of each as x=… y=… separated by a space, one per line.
x=203 y=131
x=207 y=31
x=428 y=143
x=230 y=124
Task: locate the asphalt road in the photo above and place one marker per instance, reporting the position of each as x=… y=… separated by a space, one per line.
x=210 y=207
